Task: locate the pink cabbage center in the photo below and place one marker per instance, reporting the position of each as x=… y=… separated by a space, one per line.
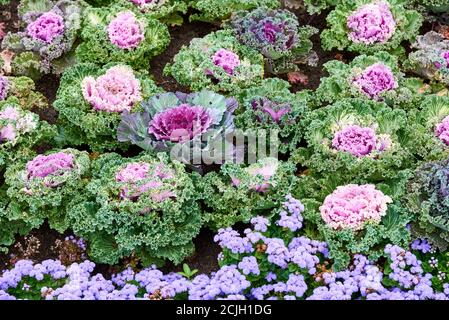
x=125 y=31
x=138 y=178
x=46 y=27
x=442 y=130
x=374 y=80
x=371 y=23
x=358 y=141
x=181 y=123
x=226 y=59
x=351 y=206
x=55 y=164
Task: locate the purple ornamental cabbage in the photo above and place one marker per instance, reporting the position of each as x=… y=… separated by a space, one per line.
x=371 y=23
x=46 y=27
x=115 y=91
x=356 y=140
x=375 y=80
x=442 y=130
x=50 y=33
x=360 y=141
x=125 y=31
x=172 y=118
x=273 y=32
x=226 y=59
x=140 y=177
x=181 y=123
x=352 y=205
x=276 y=34
x=431 y=57
x=428 y=199
x=55 y=164
x=4 y=86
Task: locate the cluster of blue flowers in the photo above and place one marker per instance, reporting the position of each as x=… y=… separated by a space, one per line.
x=246 y=260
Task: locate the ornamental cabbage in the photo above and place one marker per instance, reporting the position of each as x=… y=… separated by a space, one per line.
x=271 y=106
x=46 y=43
x=276 y=34
x=375 y=80
x=20 y=131
x=46 y=27
x=125 y=32
x=115 y=34
x=360 y=140
x=185 y=121
x=90 y=101
x=353 y=219
x=238 y=193
x=144 y=206
x=43 y=187
x=428 y=128
x=117 y=90
x=351 y=206
x=217 y=10
x=217 y=62
x=368 y=26
x=427 y=198
x=371 y=23
x=431 y=57
x=375 y=77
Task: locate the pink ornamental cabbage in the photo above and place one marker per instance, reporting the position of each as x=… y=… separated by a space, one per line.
x=125 y=31
x=226 y=59
x=10 y=113
x=46 y=27
x=4 y=86
x=352 y=205
x=8 y=133
x=181 y=123
x=55 y=164
x=442 y=130
x=358 y=141
x=139 y=178
x=371 y=23
x=374 y=80
x=115 y=91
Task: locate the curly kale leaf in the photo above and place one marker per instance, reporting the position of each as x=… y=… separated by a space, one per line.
x=193 y=66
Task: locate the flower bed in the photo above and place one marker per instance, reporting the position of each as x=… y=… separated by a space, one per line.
x=218 y=150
